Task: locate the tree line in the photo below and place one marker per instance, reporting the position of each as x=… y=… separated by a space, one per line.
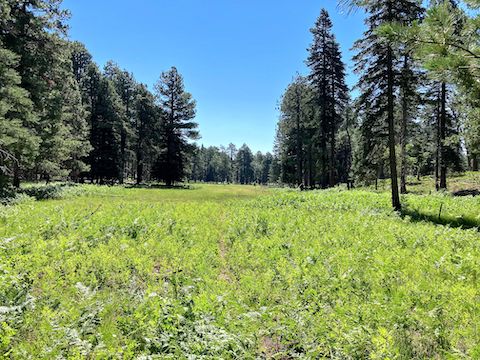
x=63 y=117
x=417 y=112
x=232 y=165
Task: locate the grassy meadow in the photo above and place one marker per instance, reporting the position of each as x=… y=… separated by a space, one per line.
x=240 y=272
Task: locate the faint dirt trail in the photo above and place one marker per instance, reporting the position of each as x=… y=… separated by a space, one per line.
x=225 y=273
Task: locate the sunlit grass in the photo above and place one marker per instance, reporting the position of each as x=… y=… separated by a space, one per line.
x=227 y=271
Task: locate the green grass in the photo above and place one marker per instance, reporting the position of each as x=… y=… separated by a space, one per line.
x=231 y=272
x=426 y=185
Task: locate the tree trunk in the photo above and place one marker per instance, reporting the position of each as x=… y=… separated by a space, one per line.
x=299 y=151
x=309 y=177
x=403 y=130
x=438 y=146
x=475 y=163
x=442 y=131
x=139 y=167
x=123 y=146
x=391 y=132
x=332 y=160
x=332 y=136
x=324 y=122
x=350 y=148
x=16 y=174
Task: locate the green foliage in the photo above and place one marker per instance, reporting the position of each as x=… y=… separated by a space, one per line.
x=106 y=133
x=312 y=112
x=244 y=159
x=18 y=141
x=177 y=127
x=230 y=272
x=294 y=131
x=45 y=192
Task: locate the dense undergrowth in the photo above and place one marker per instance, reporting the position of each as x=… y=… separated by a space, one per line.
x=239 y=272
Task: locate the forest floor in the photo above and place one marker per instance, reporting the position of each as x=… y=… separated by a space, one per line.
x=241 y=272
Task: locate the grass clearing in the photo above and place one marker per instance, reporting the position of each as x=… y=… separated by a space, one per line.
x=225 y=271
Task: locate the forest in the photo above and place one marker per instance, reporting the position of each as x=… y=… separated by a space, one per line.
x=416 y=112
x=63 y=118
x=122 y=235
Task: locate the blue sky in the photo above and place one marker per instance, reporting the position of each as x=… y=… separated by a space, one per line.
x=237 y=56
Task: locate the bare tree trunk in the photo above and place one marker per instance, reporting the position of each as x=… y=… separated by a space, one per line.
x=437 y=152
x=16 y=174
x=391 y=133
x=442 y=131
x=403 y=130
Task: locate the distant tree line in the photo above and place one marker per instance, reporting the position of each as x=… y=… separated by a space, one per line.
x=62 y=117
x=417 y=112
x=232 y=165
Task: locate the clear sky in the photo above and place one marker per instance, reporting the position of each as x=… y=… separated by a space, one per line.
x=236 y=56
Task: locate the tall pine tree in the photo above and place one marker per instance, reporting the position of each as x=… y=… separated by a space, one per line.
x=331 y=93
x=178 y=127
x=377 y=62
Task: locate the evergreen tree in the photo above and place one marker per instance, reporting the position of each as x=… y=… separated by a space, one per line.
x=178 y=127
x=377 y=62
x=81 y=60
x=148 y=121
x=125 y=86
x=331 y=93
x=293 y=132
x=232 y=153
x=18 y=142
x=257 y=165
x=244 y=164
x=106 y=128
x=33 y=30
x=442 y=48
x=63 y=126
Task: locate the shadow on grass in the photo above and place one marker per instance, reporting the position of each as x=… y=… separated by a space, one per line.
x=158 y=186
x=463 y=222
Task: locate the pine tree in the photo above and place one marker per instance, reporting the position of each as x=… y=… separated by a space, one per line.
x=232 y=153
x=63 y=128
x=81 y=60
x=18 y=142
x=106 y=127
x=244 y=164
x=125 y=86
x=410 y=80
x=178 y=127
x=377 y=62
x=293 y=131
x=331 y=93
x=146 y=126
x=33 y=30
x=440 y=44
